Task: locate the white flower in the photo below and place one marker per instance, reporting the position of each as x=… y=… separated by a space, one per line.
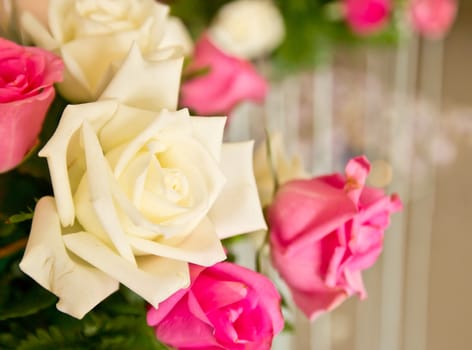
x=140 y=191
x=93 y=37
x=285 y=168
x=248 y=28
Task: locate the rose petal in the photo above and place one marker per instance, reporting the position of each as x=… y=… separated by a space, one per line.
x=79 y=286
x=176 y=34
x=313 y=304
x=201 y=247
x=154 y=86
x=237 y=209
x=101 y=197
x=209 y=131
x=54 y=151
x=39 y=34
x=20 y=124
x=155 y=279
x=267 y=294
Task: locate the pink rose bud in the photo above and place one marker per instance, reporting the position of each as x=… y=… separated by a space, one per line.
x=367 y=16
x=226 y=307
x=27 y=75
x=324 y=232
x=229 y=80
x=432 y=18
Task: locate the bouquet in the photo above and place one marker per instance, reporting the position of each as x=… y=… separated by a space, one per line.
x=119 y=206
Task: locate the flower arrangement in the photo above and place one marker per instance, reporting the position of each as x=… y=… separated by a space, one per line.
x=119 y=206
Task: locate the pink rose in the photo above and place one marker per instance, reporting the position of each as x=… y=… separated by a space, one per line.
x=226 y=307
x=324 y=232
x=367 y=16
x=230 y=80
x=432 y=18
x=27 y=75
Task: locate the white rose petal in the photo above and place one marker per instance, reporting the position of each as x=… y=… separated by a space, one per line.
x=177 y=35
x=237 y=209
x=48 y=262
x=154 y=83
x=154 y=288
x=285 y=167
x=248 y=28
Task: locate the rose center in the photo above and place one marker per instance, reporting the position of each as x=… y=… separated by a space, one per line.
x=103 y=10
x=176 y=185
x=103 y=16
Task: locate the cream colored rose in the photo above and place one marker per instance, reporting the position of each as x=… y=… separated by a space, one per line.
x=93 y=37
x=248 y=28
x=140 y=191
x=285 y=168
x=135 y=192
x=38 y=8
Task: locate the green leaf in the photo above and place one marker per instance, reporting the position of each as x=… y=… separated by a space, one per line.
x=26 y=303
x=14 y=219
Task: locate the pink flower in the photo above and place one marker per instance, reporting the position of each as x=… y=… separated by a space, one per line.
x=226 y=307
x=367 y=16
x=324 y=232
x=230 y=80
x=27 y=76
x=432 y=18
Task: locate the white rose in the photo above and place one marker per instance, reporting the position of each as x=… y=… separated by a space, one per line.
x=93 y=37
x=38 y=8
x=285 y=168
x=139 y=192
x=248 y=28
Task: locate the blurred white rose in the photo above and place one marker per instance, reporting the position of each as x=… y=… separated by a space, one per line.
x=93 y=37
x=248 y=28
x=285 y=168
x=38 y=8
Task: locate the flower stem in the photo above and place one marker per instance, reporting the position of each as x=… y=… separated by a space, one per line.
x=12 y=248
x=270 y=158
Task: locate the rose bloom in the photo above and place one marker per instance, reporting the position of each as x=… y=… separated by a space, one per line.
x=27 y=75
x=229 y=80
x=287 y=168
x=94 y=36
x=226 y=307
x=432 y=18
x=367 y=16
x=248 y=28
x=324 y=232
x=140 y=191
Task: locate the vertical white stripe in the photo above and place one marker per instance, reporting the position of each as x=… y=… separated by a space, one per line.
x=239 y=124
x=291 y=88
x=322 y=163
x=323 y=120
x=401 y=134
x=422 y=211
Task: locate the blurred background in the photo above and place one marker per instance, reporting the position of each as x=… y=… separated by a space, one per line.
x=409 y=108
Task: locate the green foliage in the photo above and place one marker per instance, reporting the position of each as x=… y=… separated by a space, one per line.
x=119 y=323
x=312 y=32
x=22 y=297
x=313 y=29
x=196 y=14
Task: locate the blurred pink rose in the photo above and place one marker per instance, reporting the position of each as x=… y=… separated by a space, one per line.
x=27 y=75
x=432 y=18
x=324 y=232
x=226 y=307
x=367 y=16
x=230 y=80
